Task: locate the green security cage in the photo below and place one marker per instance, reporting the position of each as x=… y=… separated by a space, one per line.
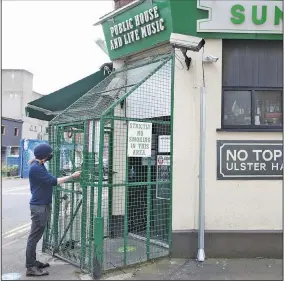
x=119 y=134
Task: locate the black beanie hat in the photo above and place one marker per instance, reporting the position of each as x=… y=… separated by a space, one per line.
x=42 y=151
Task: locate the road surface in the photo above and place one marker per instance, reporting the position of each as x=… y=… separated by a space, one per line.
x=15 y=229
x=15 y=224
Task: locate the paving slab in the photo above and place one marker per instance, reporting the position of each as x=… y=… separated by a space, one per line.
x=210 y=269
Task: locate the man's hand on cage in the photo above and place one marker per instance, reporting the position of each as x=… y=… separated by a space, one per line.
x=76 y=175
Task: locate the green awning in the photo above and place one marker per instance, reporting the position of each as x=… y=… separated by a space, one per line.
x=47 y=107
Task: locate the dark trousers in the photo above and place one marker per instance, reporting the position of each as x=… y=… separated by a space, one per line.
x=39 y=215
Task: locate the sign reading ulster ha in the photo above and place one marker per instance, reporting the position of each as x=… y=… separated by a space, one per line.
x=249 y=160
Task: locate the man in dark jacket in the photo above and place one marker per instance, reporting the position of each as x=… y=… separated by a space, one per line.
x=41 y=186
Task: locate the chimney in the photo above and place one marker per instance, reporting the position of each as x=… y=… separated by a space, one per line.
x=120 y=3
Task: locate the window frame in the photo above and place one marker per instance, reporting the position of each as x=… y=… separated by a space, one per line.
x=16 y=129
x=252 y=105
x=4 y=131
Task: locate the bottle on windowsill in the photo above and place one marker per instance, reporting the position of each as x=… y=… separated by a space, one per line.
x=258 y=112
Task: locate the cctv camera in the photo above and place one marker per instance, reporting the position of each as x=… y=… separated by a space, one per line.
x=210 y=58
x=187 y=42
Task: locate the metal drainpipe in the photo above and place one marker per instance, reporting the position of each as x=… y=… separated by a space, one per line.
x=201 y=246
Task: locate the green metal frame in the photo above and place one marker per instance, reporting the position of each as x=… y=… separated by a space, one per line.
x=92 y=245
x=171 y=152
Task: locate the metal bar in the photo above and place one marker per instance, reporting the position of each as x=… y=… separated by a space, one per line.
x=110 y=173
x=98 y=242
x=100 y=168
x=56 y=193
x=171 y=153
x=70 y=223
x=126 y=199
x=84 y=198
x=201 y=250
x=102 y=92
x=148 y=209
x=131 y=184
x=119 y=118
x=74 y=124
x=91 y=198
x=68 y=190
x=72 y=193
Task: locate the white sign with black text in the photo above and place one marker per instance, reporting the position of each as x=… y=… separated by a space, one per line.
x=164 y=143
x=249 y=160
x=139 y=139
x=163 y=177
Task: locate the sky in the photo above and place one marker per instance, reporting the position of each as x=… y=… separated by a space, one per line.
x=54 y=40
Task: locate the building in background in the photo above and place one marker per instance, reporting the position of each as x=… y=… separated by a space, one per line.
x=11 y=131
x=17 y=92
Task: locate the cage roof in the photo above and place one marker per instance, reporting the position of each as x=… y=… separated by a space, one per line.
x=108 y=93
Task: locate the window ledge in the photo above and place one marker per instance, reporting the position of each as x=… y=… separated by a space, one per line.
x=264 y=130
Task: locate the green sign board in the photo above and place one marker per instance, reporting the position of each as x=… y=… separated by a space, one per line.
x=138 y=28
x=228 y=19
x=151 y=22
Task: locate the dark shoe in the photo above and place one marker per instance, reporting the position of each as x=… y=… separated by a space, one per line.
x=35 y=271
x=41 y=264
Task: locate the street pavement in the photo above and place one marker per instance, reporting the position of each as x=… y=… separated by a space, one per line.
x=15 y=229
x=210 y=269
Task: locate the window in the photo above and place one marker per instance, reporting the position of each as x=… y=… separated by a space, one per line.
x=14 y=150
x=13 y=96
x=252 y=83
x=253 y=108
x=3 y=130
x=16 y=132
x=47 y=130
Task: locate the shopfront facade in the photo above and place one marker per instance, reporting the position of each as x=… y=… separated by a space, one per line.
x=135 y=136
x=244 y=109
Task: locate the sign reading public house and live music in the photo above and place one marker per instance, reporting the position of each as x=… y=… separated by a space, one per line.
x=249 y=160
x=136 y=28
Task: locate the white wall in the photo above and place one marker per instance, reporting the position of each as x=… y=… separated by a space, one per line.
x=232 y=204
x=33 y=127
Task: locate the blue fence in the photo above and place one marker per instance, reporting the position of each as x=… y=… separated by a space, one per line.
x=26 y=154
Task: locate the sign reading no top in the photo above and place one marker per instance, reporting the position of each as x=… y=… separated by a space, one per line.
x=249 y=160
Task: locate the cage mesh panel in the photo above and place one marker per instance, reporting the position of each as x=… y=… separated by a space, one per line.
x=97 y=100
x=118 y=212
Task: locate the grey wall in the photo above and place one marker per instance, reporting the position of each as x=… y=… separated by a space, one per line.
x=9 y=139
x=252 y=63
x=17 y=91
x=17 y=86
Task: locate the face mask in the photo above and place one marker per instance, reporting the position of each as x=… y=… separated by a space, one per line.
x=49 y=157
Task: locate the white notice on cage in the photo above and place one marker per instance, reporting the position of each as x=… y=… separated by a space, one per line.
x=139 y=139
x=164 y=143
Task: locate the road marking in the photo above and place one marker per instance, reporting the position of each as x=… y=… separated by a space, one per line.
x=14 y=241
x=15 y=188
x=17 y=232
x=16 y=193
x=11 y=276
x=17 y=228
